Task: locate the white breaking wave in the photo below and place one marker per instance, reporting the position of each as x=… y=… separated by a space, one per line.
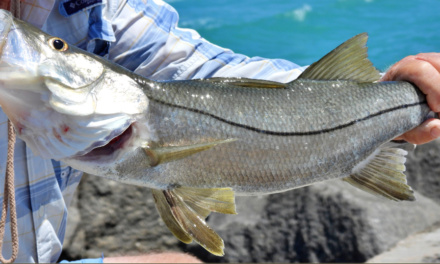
x=206 y=23
x=299 y=14
x=172 y=1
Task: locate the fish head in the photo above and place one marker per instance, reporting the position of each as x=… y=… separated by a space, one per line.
x=30 y=52
x=63 y=101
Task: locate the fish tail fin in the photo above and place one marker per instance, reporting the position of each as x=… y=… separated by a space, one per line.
x=184 y=209
x=382 y=172
x=349 y=61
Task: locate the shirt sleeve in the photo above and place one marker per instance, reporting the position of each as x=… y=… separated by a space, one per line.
x=150 y=43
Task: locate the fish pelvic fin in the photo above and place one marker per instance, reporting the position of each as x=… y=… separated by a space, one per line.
x=382 y=172
x=184 y=209
x=349 y=61
x=244 y=82
x=166 y=214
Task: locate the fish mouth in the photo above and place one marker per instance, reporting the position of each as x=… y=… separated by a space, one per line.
x=112 y=149
x=125 y=147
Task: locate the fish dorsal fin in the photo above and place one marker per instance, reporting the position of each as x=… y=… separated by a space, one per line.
x=349 y=61
x=245 y=82
x=184 y=209
x=382 y=172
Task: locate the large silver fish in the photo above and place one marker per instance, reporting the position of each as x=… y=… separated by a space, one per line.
x=199 y=143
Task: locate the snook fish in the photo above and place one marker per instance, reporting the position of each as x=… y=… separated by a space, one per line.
x=199 y=143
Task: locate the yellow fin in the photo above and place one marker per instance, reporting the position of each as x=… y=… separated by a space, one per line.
x=167 y=216
x=349 y=61
x=220 y=200
x=383 y=174
x=161 y=155
x=184 y=209
x=199 y=210
x=245 y=82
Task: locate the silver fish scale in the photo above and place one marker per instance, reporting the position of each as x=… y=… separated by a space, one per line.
x=286 y=138
x=306 y=106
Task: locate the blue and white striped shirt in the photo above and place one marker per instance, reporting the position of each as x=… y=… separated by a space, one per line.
x=141 y=35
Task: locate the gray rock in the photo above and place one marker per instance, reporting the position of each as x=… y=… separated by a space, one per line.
x=327 y=222
x=423 y=169
x=423 y=247
x=116 y=219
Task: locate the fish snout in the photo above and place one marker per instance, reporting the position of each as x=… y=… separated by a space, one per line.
x=5 y=25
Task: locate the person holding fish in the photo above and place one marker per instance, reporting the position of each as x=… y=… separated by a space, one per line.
x=144 y=38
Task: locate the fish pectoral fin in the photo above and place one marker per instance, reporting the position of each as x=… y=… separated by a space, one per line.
x=244 y=82
x=184 y=209
x=349 y=61
x=161 y=155
x=383 y=173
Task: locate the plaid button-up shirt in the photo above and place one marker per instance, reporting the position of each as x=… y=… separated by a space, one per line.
x=141 y=35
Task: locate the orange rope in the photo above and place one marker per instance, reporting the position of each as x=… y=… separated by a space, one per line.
x=9 y=192
x=9 y=197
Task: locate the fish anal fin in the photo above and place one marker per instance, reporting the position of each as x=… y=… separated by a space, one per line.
x=186 y=208
x=244 y=82
x=382 y=173
x=349 y=61
x=161 y=155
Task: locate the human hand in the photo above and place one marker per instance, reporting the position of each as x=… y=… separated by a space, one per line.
x=423 y=70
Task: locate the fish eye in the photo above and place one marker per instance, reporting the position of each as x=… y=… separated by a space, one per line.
x=58 y=44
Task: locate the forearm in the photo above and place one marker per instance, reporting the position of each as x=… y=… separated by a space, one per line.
x=150 y=44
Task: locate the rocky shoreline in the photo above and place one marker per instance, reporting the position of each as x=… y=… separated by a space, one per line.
x=326 y=222
x=422 y=247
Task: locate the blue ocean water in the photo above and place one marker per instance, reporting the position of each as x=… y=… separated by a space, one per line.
x=303 y=31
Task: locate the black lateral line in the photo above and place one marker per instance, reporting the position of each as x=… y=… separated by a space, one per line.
x=274 y=133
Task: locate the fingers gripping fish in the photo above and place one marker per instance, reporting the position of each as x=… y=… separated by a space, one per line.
x=199 y=143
